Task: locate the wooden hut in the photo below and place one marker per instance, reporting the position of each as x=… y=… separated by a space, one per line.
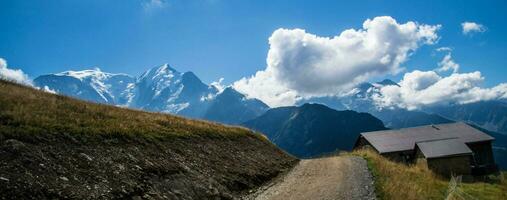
x=454 y=148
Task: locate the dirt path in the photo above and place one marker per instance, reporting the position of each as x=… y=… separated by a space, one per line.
x=338 y=177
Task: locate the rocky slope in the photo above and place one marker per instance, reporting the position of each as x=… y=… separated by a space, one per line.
x=56 y=147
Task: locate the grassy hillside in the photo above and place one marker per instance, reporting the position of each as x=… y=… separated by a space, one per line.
x=399 y=181
x=53 y=146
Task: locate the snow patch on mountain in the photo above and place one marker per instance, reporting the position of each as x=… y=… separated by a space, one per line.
x=175 y=108
x=93 y=85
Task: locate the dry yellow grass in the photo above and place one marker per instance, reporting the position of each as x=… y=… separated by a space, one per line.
x=398 y=181
x=25 y=111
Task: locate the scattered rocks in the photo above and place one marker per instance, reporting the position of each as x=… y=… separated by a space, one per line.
x=71 y=138
x=87 y=157
x=131 y=157
x=63 y=178
x=14 y=146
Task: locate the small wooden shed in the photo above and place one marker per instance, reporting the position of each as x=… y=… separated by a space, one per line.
x=454 y=148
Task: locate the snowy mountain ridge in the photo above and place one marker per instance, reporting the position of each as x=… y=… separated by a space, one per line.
x=159 y=89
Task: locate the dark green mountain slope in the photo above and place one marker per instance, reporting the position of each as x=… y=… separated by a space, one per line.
x=313 y=129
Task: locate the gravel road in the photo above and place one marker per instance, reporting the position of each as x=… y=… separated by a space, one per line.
x=337 y=177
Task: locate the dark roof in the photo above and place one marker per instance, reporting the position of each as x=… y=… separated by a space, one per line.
x=405 y=139
x=443 y=148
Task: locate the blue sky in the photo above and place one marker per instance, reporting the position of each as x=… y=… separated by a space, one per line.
x=229 y=39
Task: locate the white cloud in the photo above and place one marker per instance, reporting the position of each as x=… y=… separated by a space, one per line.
x=447 y=64
x=219 y=85
x=428 y=88
x=153 y=5
x=441 y=49
x=264 y=86
x=418 y=89
x=471 y=27
x=48 y=90
x=301 y=64
x=15 y=75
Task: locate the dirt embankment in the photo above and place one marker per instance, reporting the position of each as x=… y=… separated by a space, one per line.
x=60 y=166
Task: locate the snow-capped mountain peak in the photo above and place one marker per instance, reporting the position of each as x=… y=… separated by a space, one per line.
x=160 y=89
x=91 y=84
x=160 y=72
x=160 y=78
x=83 y=74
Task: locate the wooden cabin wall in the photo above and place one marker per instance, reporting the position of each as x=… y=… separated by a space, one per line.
x=447 y=166
x=483 y=153
x=406 y=157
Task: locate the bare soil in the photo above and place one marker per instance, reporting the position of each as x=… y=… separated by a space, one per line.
x=67 y=167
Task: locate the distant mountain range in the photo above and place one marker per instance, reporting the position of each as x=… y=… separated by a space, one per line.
x=160 y=89
x=164 y=89
x=231 y=107
x=362 y=101
x=92 y=85
x=490 y=115
x=313 y=129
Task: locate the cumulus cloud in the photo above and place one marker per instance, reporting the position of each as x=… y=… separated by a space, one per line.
x=427 y=88
x=15 y=75
x=447 y=63
x=420 y=89
x=264 y=86
x=301 y=64
x=471 y=27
